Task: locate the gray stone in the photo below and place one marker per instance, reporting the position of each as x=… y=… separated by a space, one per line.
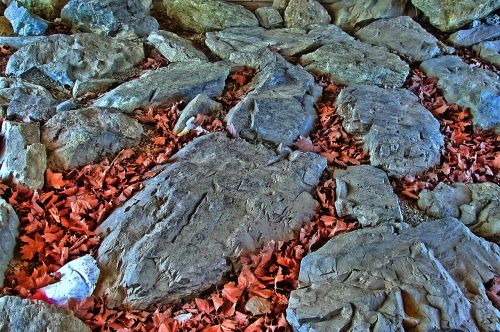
x=110 y=17
x=175 y=48
x=83 y=56
x=304 y=13
x=269 y=17
x=382 y=279
x=364 y=193
x=280 y=5
x=489 y=51
x=475 y=88
x=23 y=315
x=403 y=35
x=401 y=135
x=209 y=15
x=9 y=223
x=471 y=37
x=185 y=231
x=23 y=158
x=66 y=106
x=93 y=85
x=23 y=23
x=18 y=42
x=201 y=104
x=84 y=136
x=179 y=81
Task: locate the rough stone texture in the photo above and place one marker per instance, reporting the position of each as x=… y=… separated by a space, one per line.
x=83 y=136
x=364 y=193
x=258 y=306
x=5 y=27
x=380 y=279
x=180 y=81
x=281 y=106
x=269 y=17
x=472 y=87
x=49 y=9
x=23 y=315
x=23 y=158
x=110 y=17
x=209 y=15
x=9 y=223
x=476 y=205
x=403 y=35
x=470 y=37
x=175 y=48
x=93 y=85
x=81 y=56
x=489 y=51
x=184 y=231
x=23 y=23
x=400 y=134
x=303 y=13
x=18 y=42
x=201 y=104
x=450 y=15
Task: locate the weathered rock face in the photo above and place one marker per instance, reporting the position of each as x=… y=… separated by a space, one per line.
x=182 y=233
x=49 y=9
x=380 y=279
x=450 y=15
x=82 y=56
x=19 y=315
x=201 y=104
x=180 y=81
x=365 y=193
x=489 y=51
x=8 y=236
x=23 y=158
x=110 y=17
x=175 y=48
x=303 y=13
x=23 y=23
x=475 y=35
x=269 y=17
x=80 y=137
x=475 y=88
x=209 y=15
x=18 y=42
x=401 y=135
x=93 y=85
x=417 y=44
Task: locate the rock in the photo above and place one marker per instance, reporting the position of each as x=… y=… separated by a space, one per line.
x=5 y=27
x=21 y=100
x=84 y=136
x=93 y=85
x=110 y=17
x=364 y=193
x=269 y=17
x=23 y=158
x=450 y=15
x=83 y=56
x=22 y=315
x=258 y=306
x=489 y=51
x=417 y=44
x=471 y=37
x=181 y=81
x=280 y=5
x=148 y=4
x=23 y=23
x=66 y=106
x=18 y=42
x=9 y=223
x=175 y=48
x=49 y=9
x=467 y=86
x=304 y=13
x=209 y=15
x=185 y=231
x=425 y=278
x=401 y=135
x=201 y=104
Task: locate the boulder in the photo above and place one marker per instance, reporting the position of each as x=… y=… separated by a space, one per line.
x=23 y=158
x=110 y=17
x=83 y=136
x=475 y=88
x=209 y=15
x=184 y=232
x=48 y=9
x=23 y=23
x=304 y=13
x=18 y=42
x=201 y=104
x=280 y=5
x=175 y=48
x=489 y=51
x=5 y=27
x=97 y=85
x=20 y=315
x=269 y=17
x=82 y=56
x=401 y=136
x=177 y=82
x=9 y=223
x=471 y=37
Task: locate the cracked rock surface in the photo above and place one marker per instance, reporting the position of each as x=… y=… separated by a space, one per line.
x=9 y=223
x=175 y=48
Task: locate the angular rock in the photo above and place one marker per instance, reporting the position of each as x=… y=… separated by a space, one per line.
x=475 y=88
x=303 y=13
x=364 y=193
x=220 y=198
x=417 y=44
x=5 y=27
x=209 y=15
x=179 y=81
x=49 y=9
x=401 y=135
x=84 y=136
x=93 y=85
x=269 y=17
x=450 y=15
x=201 y=104
x=489 y=51
x=83 y=56
x=23 y=158
x=18 y=42
x=21 y=315
x=23 y=23
x=280 y=5
x=175 y=48
x=471 y=37
x=381 y=279
x=110 y=17
x=9 y=223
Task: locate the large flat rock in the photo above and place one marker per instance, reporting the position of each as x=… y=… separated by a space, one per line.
x=9 y=223
x=175 y=48
x=184 y=232
x=473 y=36
x=489 y=51
x=400 y=134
